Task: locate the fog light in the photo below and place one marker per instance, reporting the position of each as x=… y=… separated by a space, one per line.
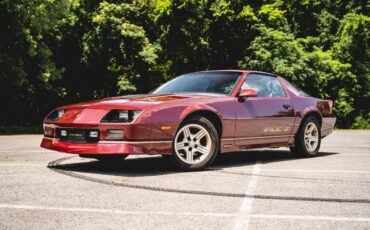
x=115 y=134
x=63 y=133
x=94 y=134
x=48 y=131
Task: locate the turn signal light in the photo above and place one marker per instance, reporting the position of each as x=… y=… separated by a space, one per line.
x=115 y=134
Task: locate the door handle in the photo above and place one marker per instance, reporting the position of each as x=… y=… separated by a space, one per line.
x=286 y=106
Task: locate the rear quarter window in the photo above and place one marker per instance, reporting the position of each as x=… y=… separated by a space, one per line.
x=265 y=85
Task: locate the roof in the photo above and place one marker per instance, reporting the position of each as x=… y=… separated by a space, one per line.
x=235 y=70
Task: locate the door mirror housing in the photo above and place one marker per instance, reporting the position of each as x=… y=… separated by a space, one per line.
x=247 y=93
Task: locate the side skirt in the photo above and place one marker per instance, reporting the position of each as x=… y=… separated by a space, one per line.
x=242 y=144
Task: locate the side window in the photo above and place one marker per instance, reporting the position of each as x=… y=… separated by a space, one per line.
x=265 y=86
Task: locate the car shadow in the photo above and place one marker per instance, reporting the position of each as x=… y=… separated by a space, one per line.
x=156 y=165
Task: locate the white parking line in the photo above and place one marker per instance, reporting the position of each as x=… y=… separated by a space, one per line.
x=242 y=220
x=292 y=170
x=113 y=211
x=308 y=217
x=195 y=214
x=317 y=171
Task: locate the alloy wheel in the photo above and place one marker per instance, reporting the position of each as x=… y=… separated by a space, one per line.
x=193 y=144
x=311 y=137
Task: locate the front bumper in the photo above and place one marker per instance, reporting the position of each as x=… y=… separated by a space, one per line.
x=109 y=147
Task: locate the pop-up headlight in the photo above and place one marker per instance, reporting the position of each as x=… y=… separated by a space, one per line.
x=120 y=116
x=135 y=113
x=55 y=115
x=123 y=115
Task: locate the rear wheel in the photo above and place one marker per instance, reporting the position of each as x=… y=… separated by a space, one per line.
x=308 y=138
x=195 y=145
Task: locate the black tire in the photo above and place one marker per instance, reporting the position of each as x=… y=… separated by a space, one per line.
x=105 y=158
x=214 y=149
x=300 y=147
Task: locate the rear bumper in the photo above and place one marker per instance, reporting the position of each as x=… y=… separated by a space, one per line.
x=327 y=125
x=109 y=147
x=325 y=132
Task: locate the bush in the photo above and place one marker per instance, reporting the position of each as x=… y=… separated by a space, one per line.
x=361 y=122
x=20 y=129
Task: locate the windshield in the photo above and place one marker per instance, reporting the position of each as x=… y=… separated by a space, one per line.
x=202 y=82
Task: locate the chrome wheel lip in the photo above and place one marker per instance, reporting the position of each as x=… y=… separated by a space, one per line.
x=199 y=151
x=311 y=137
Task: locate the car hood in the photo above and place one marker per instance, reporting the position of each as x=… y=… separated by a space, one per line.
x=92 y=112
x=139 y=102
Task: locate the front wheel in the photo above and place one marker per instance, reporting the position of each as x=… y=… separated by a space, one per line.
x=195 y=145
x=308 y=138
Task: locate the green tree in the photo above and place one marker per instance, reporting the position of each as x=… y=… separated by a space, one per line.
x=119 y=44
x=57 y=52
x=352 y=45
x=27 y=70
x=315 y=71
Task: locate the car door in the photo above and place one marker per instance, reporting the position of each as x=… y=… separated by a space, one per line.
x=266 y=119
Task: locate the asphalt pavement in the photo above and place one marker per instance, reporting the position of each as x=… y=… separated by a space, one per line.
x=257 y=189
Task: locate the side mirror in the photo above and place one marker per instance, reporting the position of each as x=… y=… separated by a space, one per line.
x=247 y=93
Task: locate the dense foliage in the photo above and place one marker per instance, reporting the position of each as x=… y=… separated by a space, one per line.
x=54 y=52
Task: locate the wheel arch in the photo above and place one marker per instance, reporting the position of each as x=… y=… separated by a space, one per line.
x=212 y=116
x=313 y=113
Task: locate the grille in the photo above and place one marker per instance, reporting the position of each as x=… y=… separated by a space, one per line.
x=77 y=135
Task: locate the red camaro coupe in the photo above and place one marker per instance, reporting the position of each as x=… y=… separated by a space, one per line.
x=193 y=118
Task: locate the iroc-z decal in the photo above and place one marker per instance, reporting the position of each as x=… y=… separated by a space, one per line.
x=276 y=129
